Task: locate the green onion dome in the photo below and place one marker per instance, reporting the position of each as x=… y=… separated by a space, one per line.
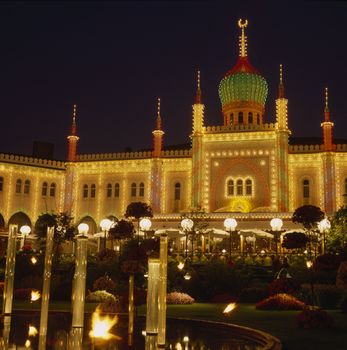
x=244 y=90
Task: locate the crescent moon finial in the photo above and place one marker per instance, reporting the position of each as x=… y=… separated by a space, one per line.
x=243 y=38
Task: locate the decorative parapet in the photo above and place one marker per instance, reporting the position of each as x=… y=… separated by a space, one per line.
x=130 y=155
x=306 y=148
x=176 y=153
x=240 y=127
x=38 y=162
x=341 y=147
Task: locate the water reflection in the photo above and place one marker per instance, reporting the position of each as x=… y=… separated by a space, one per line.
x=180 y=335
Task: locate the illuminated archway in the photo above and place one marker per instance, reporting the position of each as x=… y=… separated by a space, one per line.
x=93 y=227
x=19 y=219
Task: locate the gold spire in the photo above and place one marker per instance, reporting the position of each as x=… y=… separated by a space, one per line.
x=326 y=99
x=281 y=85
x=158 y=116
x=243 y=37
x=198 y=90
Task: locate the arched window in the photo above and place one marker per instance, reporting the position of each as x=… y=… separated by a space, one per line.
x=240 y=117
x=142 y=190
x=44 y=189
x=109 y=191
x=27 y=186
x=230 y=188
x=85 y=191
x=231 y=118
x=133 y=189
x=92 y=190
x=52 y=189
x=1 y=183
x=250 y=118
x=239 y=187
x=248 y=187
x=19 y=186
x=177 y=191
x=116 y=190
x=258 y=118
x=306 y=188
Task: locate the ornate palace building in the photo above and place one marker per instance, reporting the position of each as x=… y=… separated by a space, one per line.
x=246 y=167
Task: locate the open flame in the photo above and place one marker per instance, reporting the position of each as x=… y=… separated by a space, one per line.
x=32 y=331
x=230 y=307
x=180 y=265
x=101 y=325
x=35 y=295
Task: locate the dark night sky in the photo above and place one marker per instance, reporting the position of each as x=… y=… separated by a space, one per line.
x=114 y=59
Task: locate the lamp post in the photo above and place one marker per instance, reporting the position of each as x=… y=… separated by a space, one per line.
x=323 y=227
x=230 y=226
x=25 y=231
x=105 y=225
x=187 y=225
x=145 y=225
x=79 y=279
x=276 y=226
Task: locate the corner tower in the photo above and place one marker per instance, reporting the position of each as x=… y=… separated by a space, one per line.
x=243 y=90
x=72 y=138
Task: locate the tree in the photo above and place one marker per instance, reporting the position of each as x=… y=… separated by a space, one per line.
x=123 y=229
x=138 y=210
x=308 y=216
x=294 y=240
x=63 y=227
x=337 y=238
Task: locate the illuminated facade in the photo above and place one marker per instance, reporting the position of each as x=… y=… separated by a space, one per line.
x=246 y=166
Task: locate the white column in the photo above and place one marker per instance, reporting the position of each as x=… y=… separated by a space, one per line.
x=152 y=296
x=131 y=305
x=79 y=282
x=75 y=339
x=162 y=291
x=46 y=286
x=9 y=271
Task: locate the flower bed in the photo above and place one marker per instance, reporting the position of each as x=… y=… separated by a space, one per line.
x=179 y=298
x=281 y=302
x=313 y=319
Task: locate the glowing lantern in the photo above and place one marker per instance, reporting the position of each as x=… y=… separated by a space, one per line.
x=35 y=295
x=230 y=307
x=32 y=331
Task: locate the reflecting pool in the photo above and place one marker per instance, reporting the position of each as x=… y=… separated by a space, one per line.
x=181 y=335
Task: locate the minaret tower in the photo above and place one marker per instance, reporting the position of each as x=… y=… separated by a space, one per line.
x=328 y=161
x=158 y=135
x=282 y=133
x=197 y=149
x=327 y=126
x=156 y=172
x=72 y=138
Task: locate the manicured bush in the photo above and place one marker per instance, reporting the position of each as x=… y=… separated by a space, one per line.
x=313 y=319
x=284 y=285
x=253 y=294
x=179 y=298
x=281 y=302
x=104 y=283
x=327 y=262
x=99 y=296
x=327 y=296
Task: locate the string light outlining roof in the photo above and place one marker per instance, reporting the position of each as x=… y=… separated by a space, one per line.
x=158 y=115
x=243 y=38
x=198 y=90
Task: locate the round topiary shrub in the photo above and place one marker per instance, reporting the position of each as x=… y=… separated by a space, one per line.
x=313 y=319
x=104 y=283
x=179 y=298
x=280 y=302
x=100 y=296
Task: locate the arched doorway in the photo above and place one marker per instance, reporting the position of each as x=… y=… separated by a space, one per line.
x=20 y=219
x=93 y=228
x=2 y=222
